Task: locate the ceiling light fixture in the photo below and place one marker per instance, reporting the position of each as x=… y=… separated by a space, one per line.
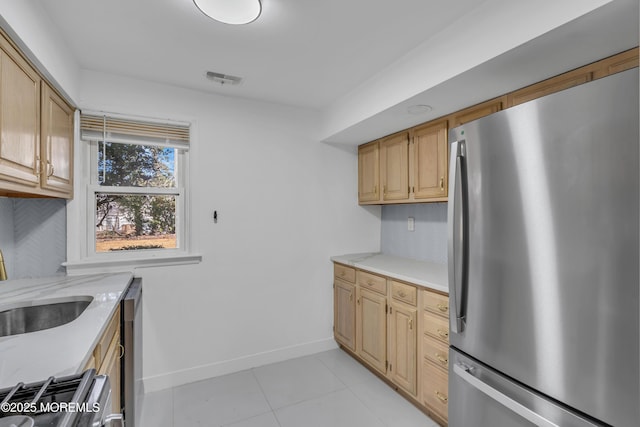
x=419 y=109
x=232 y=12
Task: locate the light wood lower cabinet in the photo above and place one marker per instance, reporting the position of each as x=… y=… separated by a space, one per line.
x=371 y=329
x=402 y=346
x=344 y=322
x=401 y=333
x=434 y=361
x=105 y=359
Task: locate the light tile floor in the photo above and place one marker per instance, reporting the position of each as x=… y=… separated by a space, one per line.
x=328 y=389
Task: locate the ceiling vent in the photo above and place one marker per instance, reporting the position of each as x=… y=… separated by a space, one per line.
x=223 y=79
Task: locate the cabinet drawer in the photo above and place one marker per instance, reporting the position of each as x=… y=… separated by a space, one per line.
x=436 y=326
x=372 y=282
x=435 y=351
x=107 y=337
x=345 y=273
x=435 y=389
x=403 y=292
x=436 y=303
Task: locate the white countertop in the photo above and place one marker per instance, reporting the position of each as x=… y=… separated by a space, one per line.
x=63 y=350
x=424 y=273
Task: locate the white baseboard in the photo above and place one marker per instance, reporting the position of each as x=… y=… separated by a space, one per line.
x=198 y=373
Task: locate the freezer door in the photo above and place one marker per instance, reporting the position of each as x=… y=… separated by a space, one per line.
x=545 y=287
x=484 y=398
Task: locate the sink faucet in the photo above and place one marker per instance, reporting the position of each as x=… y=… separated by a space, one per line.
x=3 y=269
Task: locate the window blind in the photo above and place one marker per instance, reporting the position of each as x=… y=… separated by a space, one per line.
x=107 y=128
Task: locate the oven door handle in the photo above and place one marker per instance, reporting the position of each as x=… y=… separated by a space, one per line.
x=113 y=420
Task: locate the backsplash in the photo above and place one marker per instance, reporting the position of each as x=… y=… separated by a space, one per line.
x=33 y=236
x=429 y=240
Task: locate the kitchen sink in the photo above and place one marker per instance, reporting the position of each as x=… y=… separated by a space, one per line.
x=37 y=316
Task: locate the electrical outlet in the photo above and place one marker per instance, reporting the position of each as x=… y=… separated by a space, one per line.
x=411 y=224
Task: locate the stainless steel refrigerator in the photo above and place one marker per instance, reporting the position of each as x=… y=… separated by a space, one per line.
x=544 y=261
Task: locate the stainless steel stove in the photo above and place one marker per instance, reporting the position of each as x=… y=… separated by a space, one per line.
x=74 y=401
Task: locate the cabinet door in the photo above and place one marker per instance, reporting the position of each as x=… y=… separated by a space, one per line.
x=616 y=64
x=19 y=119
x=430 y=161
x=344 y=311
x=476 y=112
x=111 y=367
x=372 y=329
x=57 y=143
x=394 y=167
x=403 y=347
x=549 y=86
x=368 y=172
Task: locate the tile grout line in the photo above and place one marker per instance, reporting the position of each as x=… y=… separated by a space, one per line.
x=348 y=387
x=265 y=396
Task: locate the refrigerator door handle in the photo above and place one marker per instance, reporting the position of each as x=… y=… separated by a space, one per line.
x=457 y=235
x=464 y=372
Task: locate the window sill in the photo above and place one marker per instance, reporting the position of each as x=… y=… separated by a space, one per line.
x=115 y=265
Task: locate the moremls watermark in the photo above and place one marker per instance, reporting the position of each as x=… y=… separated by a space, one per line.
x=40 y=407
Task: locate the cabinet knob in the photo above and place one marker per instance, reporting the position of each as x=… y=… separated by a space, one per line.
x=442 y=183
x=443 y=308
x=442 y=358
x=401 y=294
x=441 y=396
x=443 y=334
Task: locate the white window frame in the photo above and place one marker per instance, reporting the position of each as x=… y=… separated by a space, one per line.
x=82 y=257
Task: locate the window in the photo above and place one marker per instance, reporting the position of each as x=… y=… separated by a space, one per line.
x=136 y=190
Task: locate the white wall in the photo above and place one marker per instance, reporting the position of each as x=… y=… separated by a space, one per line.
x=31 y=28
x=286 y=203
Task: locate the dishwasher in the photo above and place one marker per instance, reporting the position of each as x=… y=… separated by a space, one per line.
x=131 y=333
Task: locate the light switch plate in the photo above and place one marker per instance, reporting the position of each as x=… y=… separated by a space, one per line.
x=411 y=224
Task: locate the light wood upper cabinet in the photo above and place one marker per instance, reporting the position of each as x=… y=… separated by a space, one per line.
x=394 y=161
x=19 y=119
x=616 y=64
x=36 y=131
x=476 y=112
x=430 y=155
x=369 y=172
x=57 y=143
x=382 y=163
x=549 y=86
